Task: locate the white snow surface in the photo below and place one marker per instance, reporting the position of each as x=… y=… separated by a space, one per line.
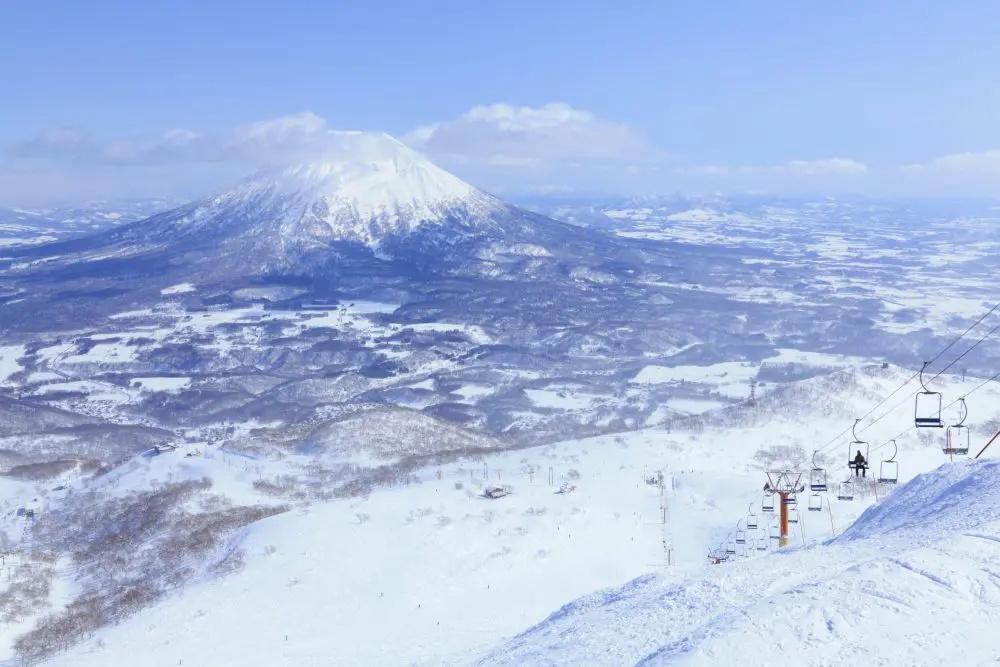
x=182 y=288
x=914 y=579
x=9 y=364
x=436 y=575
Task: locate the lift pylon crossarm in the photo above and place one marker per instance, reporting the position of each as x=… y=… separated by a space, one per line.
x=785 y=484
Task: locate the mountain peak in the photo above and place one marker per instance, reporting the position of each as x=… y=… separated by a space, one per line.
x=362 y=187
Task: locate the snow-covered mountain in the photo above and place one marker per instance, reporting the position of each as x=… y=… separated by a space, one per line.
x=375 y=189
x=367 y=194
x=372 y=188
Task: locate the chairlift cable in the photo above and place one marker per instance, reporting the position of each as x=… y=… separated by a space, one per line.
x=974 y=346
x=952 y=404
x=940 y=354
x=963 y=334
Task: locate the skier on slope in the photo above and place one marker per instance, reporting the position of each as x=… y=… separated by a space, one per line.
x=860 y=464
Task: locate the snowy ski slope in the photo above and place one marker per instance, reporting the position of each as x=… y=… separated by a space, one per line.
x=915 y=581
x=433 y=574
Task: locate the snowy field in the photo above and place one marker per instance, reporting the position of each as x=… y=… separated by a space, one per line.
x=457 y=577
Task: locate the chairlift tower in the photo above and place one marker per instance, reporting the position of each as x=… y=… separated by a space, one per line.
x=785 y=484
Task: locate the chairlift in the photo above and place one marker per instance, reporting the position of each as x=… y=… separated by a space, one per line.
x=959 y=436
x=731 y=547
x=888 y=470
x=761 y=540
x=793 y=515
x=846 y=491
x=817 y=476
x=767 y=505
x=751 y=518
x=856 y=445
x=790 y=501
x=927 y=408
x=741 y=535
x=815 y=503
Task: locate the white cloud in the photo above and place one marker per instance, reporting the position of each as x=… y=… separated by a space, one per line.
x=957 y=174
x=283 y=138
x=830 y=167
x=984 y=163
x=507 y=135
x=835 y=166
x=500 y=147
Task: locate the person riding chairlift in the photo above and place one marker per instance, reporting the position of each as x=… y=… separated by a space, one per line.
x=860 y=464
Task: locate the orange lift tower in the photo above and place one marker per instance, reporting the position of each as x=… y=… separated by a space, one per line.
x=786 y=485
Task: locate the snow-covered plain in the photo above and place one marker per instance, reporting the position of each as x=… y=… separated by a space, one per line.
x=9 y=361
x=458 y=577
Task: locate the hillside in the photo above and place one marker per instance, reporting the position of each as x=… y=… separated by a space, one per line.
x=456 y=576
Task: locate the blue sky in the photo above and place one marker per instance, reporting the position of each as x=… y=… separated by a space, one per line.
x=886 y=97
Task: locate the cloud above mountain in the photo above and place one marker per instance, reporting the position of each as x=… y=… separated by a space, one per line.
x=507 y=135
x=283 y=138
x=503 y=148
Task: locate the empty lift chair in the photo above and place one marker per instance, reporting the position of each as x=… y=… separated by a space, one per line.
x=888 y=470
x=767 y=505
x=846 y=491
x=815 y=503
x=927 y=409
x=741 y=535
x=958 y=436
x=775 y=533
x=793 y=515
x=762 y=539
x=817 y=476
x=751 y=518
